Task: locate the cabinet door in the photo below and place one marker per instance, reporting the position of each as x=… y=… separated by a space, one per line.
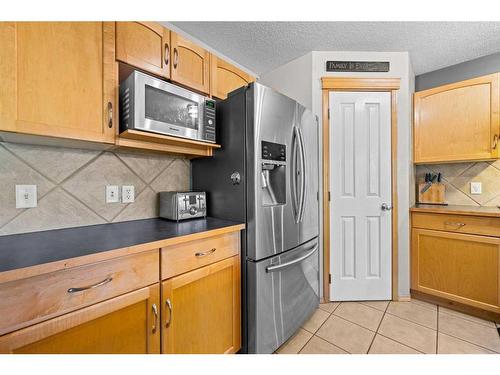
x=123 y=325
x=458 y=122
x=225 y=77
x=58 y=79
x=190 y=64
x=145 y=45
x=201 y=310
x=459 y=267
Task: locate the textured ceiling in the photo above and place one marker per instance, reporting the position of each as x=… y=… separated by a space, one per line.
x=263 y=46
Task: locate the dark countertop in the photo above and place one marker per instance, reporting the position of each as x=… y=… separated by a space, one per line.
x=457 y=210
x=30 y=249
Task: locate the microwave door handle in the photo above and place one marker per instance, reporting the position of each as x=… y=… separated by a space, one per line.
x=303 y=174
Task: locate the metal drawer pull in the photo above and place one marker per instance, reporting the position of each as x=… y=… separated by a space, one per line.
x=155 y=312
x=455 y=224
x=205 y=253
x=100 y=283
x=295 y=261
x=495 y=142
x=169 y=305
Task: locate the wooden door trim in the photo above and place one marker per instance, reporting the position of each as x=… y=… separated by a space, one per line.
x=330 y=84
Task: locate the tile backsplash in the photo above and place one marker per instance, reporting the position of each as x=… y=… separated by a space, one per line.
x=71 y=185
x=458 y=176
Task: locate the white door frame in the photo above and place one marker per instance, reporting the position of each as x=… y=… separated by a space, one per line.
x=358 y=84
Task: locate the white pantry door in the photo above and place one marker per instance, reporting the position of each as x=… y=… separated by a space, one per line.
x=360 y=185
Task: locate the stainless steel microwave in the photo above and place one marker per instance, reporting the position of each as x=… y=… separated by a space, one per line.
x=152 y=105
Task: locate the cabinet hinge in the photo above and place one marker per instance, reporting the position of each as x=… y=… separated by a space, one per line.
x=329 y=197
x=328 y=113
x=329 y=278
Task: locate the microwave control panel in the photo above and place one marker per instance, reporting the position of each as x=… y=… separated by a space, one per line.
x=209 y=119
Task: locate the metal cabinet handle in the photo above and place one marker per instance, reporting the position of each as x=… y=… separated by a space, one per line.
x=100 y=283
x=495 y=142
x=155 y=312
x=454 y=224
x=386 y=207
x=176 y=58
x=110 y=115
x=167 y=54
x=204 y=253
x=295 y=261
x=169 y=305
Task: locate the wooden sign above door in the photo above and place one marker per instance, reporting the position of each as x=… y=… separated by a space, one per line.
x=357 y=66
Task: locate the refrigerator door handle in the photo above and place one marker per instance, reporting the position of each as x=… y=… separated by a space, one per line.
x=295 y=261
x=303 y=173
x=295 y=199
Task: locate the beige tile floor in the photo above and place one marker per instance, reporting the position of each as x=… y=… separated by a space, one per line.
x=383 y=327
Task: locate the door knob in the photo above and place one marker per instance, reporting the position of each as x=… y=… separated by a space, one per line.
x=386 y=207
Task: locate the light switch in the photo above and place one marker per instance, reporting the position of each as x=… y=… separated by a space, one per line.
x=128 y=194
x=476 y=188
x=26 y=196
x=112 y=194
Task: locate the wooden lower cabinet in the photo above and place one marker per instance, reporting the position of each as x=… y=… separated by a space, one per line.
x=201 y=310
x=459 y=267
x=126 y=324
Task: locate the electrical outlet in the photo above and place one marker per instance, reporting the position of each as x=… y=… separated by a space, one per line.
x=112 y=194
x=26 y=196
x=476 y=188
x=128 y=194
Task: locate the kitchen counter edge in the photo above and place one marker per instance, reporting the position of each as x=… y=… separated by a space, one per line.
x=457 y=210
x=94 y=256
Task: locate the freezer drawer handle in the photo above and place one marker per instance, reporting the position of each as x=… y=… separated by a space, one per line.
x=205 y=253
x=295 y=261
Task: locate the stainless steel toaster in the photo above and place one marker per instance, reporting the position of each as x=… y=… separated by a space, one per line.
x=181 y=205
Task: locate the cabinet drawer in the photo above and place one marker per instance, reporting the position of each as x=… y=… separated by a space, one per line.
x=188 y=256
x=488 y=226
x=28 y=301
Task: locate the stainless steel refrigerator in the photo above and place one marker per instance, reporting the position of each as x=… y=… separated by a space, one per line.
x=266 y=175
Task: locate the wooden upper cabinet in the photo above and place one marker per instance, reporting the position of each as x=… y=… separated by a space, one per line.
x=58 y=79
x=190 y=64
x=128 y=324
x=144 y=45
x=458 y=122
x=201 y=310
x=225 y=78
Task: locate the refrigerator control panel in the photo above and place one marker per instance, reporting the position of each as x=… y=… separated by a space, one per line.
x=273 y=151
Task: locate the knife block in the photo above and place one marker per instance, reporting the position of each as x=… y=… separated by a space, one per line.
x=434 y=195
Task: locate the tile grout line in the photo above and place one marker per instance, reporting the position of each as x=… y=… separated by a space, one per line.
x=437 y=328
x=399 y=342
x=378 y=327
x=411 y=321
x=314 y=333
x=469 y=342
x=329 y=316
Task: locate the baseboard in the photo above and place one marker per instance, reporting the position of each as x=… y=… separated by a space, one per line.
x=457 y=306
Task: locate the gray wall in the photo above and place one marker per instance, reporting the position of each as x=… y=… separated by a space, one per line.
x=459 y=72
